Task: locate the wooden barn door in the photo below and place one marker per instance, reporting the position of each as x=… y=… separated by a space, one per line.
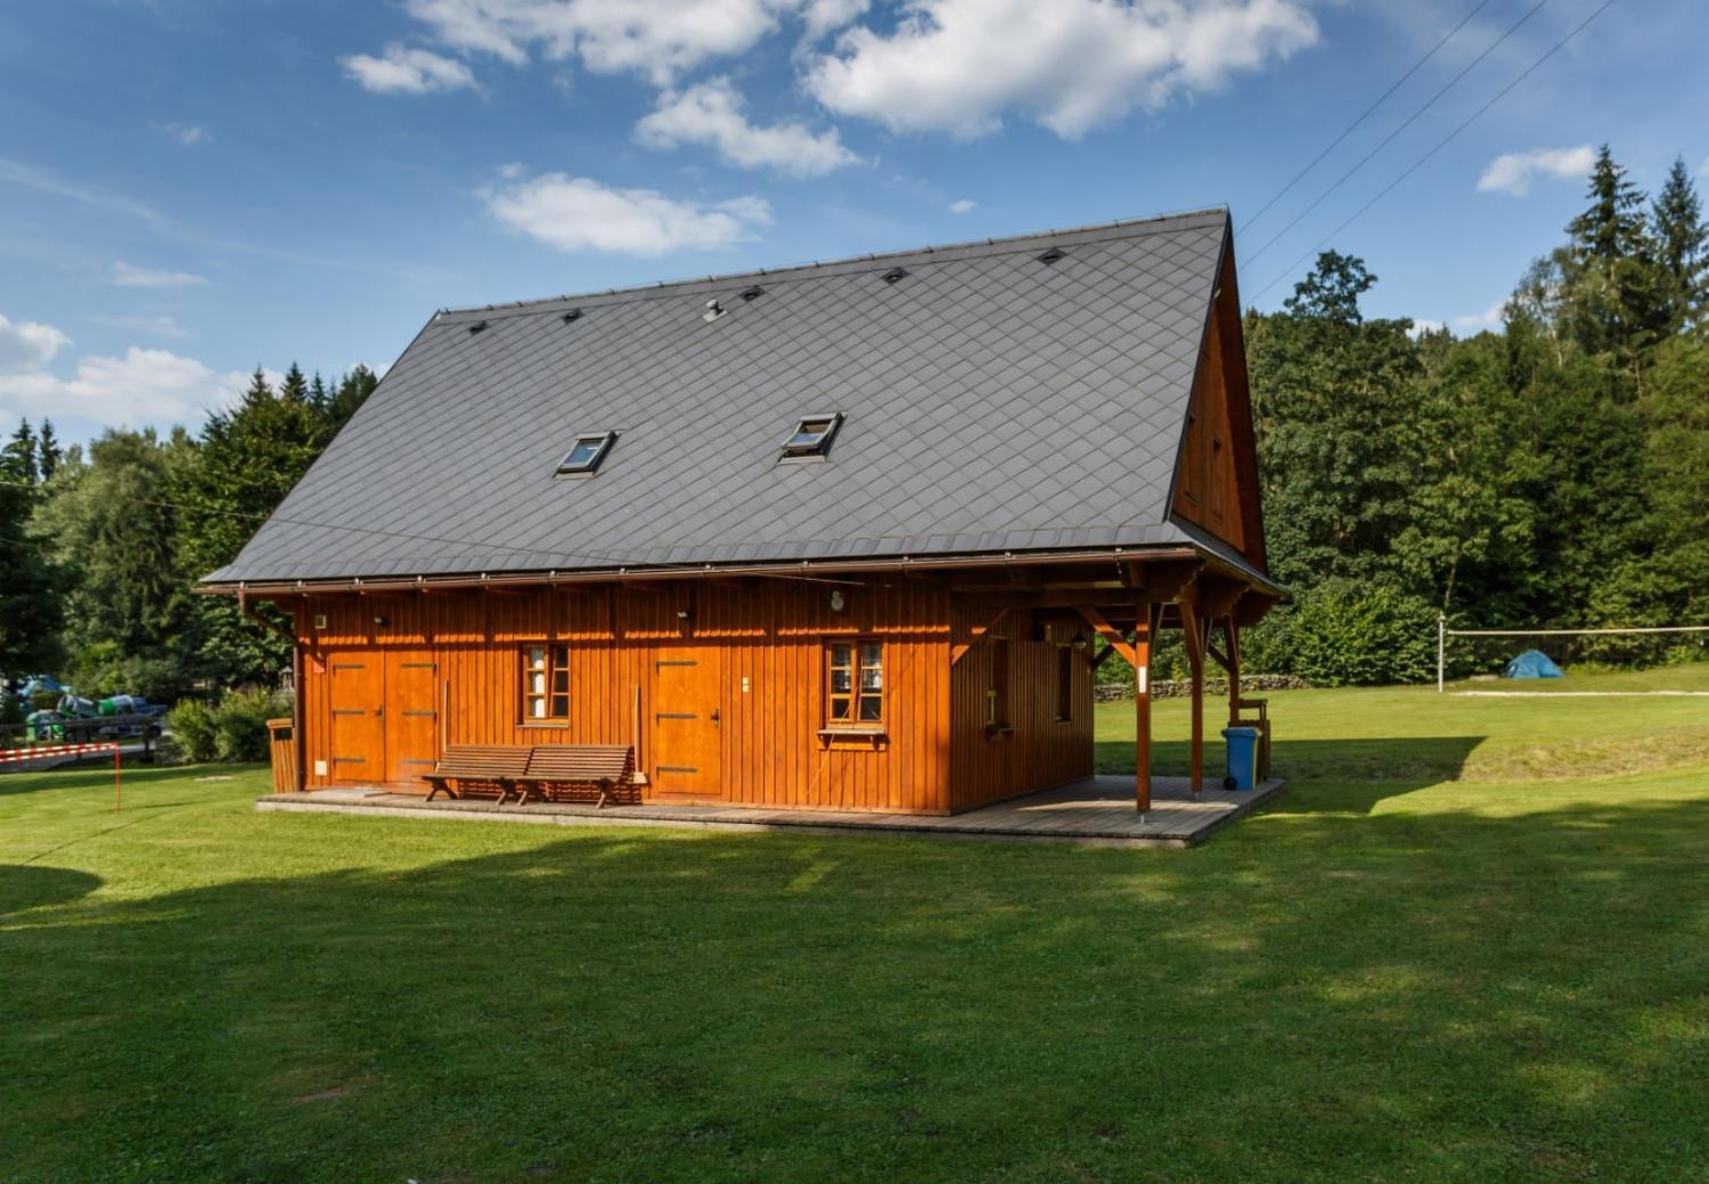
x=687 y=741
x=412 y=716
x=358 y=706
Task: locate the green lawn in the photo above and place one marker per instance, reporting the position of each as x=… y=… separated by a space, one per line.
x=1437 y=957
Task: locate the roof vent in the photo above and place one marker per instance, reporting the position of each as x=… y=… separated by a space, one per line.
x=714 y=310
x=575 y=314
x=812 y=436
x=749 y=295
x=894 y=274
x=584 y=457
x=1051 y=256
x=477 y=327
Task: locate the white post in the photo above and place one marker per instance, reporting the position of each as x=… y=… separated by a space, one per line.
x=1441 y=652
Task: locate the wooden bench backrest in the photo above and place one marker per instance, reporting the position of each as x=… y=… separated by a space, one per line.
x=579 y=762
x=482 y=760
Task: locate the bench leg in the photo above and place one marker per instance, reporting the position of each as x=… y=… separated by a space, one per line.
x=604 y=794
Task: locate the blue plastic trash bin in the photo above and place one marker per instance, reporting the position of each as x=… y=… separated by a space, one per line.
x=1242 y=758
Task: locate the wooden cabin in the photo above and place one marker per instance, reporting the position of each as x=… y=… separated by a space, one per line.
x=837 y=536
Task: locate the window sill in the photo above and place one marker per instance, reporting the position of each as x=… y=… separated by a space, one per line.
x=854 y=733
x=559 y=724
x=998 y=731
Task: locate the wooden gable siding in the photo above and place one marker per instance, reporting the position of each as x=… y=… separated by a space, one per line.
x=769 y=637
x=1216 y=481
x=1041 y=750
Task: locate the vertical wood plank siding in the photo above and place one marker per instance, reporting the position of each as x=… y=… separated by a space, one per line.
x=770 y=635
x=1040 y=750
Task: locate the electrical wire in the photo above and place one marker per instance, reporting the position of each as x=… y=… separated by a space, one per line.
x=1369 y=111
x=1390 y=138
x=1441 y=144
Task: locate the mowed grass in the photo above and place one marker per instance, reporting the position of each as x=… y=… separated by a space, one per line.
x=1391 y=973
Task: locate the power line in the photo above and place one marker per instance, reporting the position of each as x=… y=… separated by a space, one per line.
x=1390 y=138
x=1441 y=144
x=1369 y=111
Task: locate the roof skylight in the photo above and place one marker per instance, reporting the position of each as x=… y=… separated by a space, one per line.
x=812 y=436
x=588 y=451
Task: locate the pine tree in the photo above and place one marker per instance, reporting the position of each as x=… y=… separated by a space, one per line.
x=1682 y=247
x=48 y=452
x=29 y=600
x=1612 y=297
x=353 y=390
x=294 y=388
x=21 y=455
x=248 y=460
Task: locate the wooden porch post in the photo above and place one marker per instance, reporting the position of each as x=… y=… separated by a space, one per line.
x=1192 y=628
x=1231 y=632
x=1142 y=707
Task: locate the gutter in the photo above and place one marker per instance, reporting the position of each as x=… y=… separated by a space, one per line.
x=800 y=569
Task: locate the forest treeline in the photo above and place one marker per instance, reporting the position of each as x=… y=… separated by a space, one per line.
x=103 y=545
x=1554 y=472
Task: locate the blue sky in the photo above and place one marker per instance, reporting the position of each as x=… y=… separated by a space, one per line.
x=190 y=188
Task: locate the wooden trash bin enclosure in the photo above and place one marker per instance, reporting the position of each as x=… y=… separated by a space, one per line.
x=282 y=746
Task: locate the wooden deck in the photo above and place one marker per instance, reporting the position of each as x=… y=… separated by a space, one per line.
x=1099 y=811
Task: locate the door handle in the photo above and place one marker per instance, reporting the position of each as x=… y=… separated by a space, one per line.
x=716 y=718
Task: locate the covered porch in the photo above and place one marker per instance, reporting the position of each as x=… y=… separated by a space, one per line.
x=1129 y=604
x=1098 y=810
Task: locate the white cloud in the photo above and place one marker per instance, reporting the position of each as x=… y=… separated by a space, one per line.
x=1477 y=322
x=187 y=134
x=963 y=206
x=1512 y=172
x=711 y=114
x=961 y=65
x=1423 y=325
x=163 y=325
x=824 y=16
x=144 y=386
x=655 y=38
x=580 y=214
x=123 y=275
x=27 y=345
x=403 y=70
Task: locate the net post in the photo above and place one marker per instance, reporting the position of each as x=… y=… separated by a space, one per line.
x=1441 y=652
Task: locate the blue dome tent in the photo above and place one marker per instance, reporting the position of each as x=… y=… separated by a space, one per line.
x=1532 y=664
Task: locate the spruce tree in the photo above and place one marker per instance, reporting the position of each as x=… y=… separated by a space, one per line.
x=1682 y=247
x=1613 y=289
x=21 y=455
x=48 y=452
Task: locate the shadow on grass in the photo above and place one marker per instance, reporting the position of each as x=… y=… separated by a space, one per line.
x=1364 y=772
x=25 y=887
x=1314 y=996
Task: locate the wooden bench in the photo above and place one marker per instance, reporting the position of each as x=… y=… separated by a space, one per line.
x=480 y=769
x=557 y=770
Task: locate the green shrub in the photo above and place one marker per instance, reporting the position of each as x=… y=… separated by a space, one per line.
x=191 y=725
x=240 y=724
x=1347 y=632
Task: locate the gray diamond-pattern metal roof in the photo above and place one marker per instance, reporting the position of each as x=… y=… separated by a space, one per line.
x=993 y=403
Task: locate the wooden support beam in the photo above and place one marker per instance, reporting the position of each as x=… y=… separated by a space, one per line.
x=976 y=634
x=1192 y=628
x=1217 y=595
x=1109 y=633
x=1231 y=636
x=1142 y=640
